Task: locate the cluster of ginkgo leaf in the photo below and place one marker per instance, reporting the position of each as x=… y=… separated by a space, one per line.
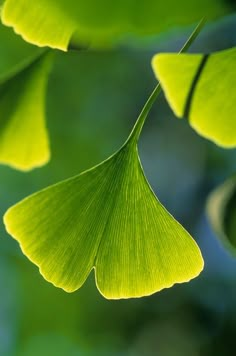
x=106 y=218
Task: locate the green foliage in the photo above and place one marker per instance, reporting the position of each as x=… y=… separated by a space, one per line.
x=15 y=54
x=23 y=135
x=107 y=218
x=53 y=22
x=200 y=88
x=101 y=219
x=91 y=98
x=221 y=209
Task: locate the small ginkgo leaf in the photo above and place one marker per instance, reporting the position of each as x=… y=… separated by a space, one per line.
x=199 y=87
x=221 y=209
x=23 y=135
x=53 y=22
x=109 y=219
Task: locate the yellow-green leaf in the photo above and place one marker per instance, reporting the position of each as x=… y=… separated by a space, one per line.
x=201 y=88
x=53 y=22
x=221 y=208
x=23 y=135
x=106 y=218
x=109 y=219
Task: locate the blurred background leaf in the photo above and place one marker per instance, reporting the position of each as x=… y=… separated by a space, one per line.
x=53 y=23
x=23 y=135
x=222 y=212
x=15 y=54
x=24 y=74
x=200 y=88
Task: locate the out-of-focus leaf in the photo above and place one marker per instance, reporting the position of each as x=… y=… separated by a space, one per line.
x=23 y=135
x=15 y=54
x=221 y=208
x=106 y=218
x=200 y=88
x=53 y=22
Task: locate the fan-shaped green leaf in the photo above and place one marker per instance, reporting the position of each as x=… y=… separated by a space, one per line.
x=53 y=22
x=106 y=218
x=23 y=135
x=200 y=88
x=221 y=208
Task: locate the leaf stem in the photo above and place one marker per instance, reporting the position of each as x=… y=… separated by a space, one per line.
x=136 y=131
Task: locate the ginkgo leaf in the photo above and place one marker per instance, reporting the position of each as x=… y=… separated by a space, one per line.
x=23 y=135
x=199 y=87
x=109 y=219
x=221 y=208
x=53 y=22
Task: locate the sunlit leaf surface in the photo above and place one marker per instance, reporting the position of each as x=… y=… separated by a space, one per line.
x=109 y=219
x=221 y=209
x=201 y=88
x=53 y=22
x=23 y=135
x=106 y=218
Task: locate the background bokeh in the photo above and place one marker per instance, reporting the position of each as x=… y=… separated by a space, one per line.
x=94 y=98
